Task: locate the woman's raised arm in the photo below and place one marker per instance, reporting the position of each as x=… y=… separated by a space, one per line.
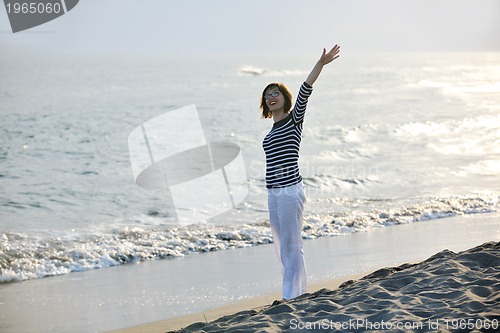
x=325 y=59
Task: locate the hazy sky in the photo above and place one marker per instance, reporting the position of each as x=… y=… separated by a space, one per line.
x=257 y=26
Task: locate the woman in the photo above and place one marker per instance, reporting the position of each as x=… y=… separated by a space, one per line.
x=283 y=180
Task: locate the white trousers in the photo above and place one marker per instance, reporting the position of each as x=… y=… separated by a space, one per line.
x=286 y=206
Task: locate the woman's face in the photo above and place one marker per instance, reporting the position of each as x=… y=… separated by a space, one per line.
x=274 y=99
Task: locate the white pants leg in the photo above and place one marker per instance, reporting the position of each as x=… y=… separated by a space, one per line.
x=286 y=206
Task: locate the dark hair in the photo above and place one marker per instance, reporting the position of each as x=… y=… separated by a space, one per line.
x=266 y=113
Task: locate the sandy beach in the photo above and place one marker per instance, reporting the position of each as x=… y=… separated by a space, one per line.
x=448 y=292
x=169 y=295
x=256 y=303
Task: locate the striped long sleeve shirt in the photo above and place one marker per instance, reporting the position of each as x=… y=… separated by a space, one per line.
x=281 y=145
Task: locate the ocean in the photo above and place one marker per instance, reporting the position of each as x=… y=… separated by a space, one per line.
x=388 y=139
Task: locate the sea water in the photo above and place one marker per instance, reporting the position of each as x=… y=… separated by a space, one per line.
x=388 y=139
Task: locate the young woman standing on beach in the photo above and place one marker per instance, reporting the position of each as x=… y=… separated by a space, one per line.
x=286 y=196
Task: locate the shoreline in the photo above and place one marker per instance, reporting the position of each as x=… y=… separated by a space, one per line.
x=130 y=295
x=442 y=293
x=254 y=303
x=411 y=235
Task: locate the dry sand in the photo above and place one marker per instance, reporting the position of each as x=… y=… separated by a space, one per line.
x=449 y=292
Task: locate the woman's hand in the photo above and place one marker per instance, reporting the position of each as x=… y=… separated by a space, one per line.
x=333 y=54
x=325 y=59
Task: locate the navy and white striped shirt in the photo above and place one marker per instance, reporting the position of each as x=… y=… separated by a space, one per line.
x=282 y=144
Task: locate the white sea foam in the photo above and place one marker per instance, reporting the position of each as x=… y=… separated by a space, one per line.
x=25 y=257
x=474 y=136
x=484 y=167
x=462 y=88
x=258 y=71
